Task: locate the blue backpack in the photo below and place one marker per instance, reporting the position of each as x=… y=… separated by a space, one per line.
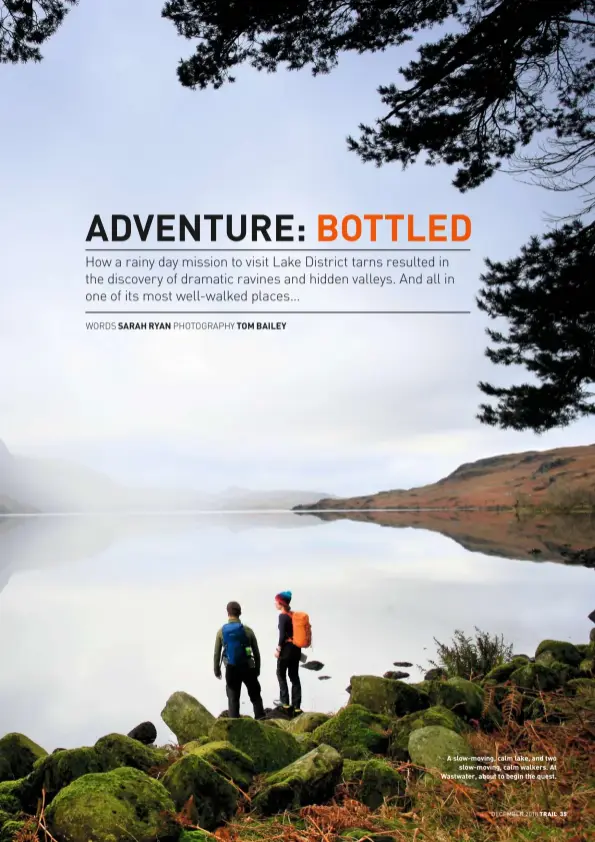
x=236 y=648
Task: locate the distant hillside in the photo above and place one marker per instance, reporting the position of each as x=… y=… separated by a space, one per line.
x=561 y=479
x=8 y=506
x=54 y=486
x=244 y=498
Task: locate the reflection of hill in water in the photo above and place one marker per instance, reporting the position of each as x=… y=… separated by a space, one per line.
x=33 y=542
x=491 y=533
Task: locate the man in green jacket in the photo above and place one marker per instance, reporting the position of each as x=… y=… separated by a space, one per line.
x=237 y=648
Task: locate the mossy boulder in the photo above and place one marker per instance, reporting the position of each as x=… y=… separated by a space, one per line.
x=502 y=672
x=55 y=771
x=115 y=750
x=535 y=676
x=355 y=732
x=311 y=779
x=202 y=741
x=463 y=697
x=436 y=715
x=269 y=748
x=58 y=770
x=436 y=748
x=17 y=756
x=114 y=806
x=581 y=685
x=306 y=741
x=306 y=723
x=211 y=799
x=10 y=796
x=373 y=781
x=186 y=717
x=229 y=761
x=386 y=696
x=549 y=651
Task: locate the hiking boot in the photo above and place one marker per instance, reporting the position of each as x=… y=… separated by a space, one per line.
x=284 y=710
x=297 y=711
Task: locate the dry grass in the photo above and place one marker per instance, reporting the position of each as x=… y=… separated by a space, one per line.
x=448 y=811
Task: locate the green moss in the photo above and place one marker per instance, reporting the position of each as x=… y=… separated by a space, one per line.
x=502 y=672
x=269 y=748
x=17 y=756
x=195 y=836
x=356 y=732
x=9 y=830
x=373 y=781
x=535 y=676
x=229 y=761
x=202 y=741
x=311 y=779
x=115 y=806
x=549 y=651
x=306 y=723
x=10 y=796
x=186 y=717
x=386 y=696
x=579 y=685
x=436 y=715
x=587 y=666
x=210 y=798
x=283 y=724
x=306 y=741
x=463 y=697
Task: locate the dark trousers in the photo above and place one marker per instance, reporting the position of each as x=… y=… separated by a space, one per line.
x=235 y=676
x=288 y=666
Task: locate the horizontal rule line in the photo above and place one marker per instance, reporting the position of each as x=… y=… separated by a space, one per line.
x=273 y=312
x=264 y=249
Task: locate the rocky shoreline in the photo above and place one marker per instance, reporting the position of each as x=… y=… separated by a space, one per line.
x=380 y=762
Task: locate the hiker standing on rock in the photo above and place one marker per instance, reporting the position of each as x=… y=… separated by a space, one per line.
x=295 y=633
x=236 y=646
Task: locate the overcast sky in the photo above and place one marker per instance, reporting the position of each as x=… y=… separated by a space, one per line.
x=346 y=404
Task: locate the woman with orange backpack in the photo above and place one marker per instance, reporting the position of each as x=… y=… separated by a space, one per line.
x=295 y=634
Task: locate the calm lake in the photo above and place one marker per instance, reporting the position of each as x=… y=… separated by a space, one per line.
x=102 y=618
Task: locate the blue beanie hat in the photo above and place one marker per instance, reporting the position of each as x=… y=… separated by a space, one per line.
x=284 y=596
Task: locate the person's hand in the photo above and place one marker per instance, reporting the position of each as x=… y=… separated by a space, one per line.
x=218 y=675
x=277 y=652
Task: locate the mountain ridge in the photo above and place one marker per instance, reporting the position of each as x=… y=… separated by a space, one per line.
x=55 y=486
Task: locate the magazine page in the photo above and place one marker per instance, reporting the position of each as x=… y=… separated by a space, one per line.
x=297 y=460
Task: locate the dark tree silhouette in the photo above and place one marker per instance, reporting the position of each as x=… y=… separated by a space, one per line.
x=500 y=75
x=547 y=294
x=25 y=25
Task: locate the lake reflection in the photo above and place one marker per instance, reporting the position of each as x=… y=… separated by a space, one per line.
x=102 y=618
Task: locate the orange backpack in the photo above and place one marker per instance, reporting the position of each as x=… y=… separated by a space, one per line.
x=302 y=630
